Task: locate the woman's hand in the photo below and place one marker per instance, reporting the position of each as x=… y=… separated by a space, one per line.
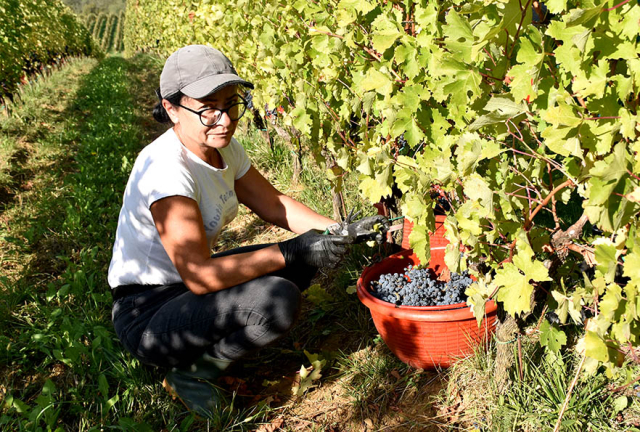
x=366 y=229
x=314 y=249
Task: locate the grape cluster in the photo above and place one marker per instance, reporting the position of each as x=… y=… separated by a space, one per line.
x=420 y=287
x=249 y=98
x=270 y=113
x=402 y=142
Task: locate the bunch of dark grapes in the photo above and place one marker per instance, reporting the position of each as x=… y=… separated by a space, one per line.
x=420 y=287
x=270 y=113
x=248 y=97
x=402 y=143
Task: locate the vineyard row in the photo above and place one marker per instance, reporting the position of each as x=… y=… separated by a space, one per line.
x=107 y=30
x=35 y=34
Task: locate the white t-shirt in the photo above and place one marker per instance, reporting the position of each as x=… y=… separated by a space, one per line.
x=167 y=168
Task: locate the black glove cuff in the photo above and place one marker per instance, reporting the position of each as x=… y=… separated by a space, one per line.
x=287 y=253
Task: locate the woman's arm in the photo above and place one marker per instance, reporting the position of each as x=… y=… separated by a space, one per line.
x=179 y=223
x=254 y=191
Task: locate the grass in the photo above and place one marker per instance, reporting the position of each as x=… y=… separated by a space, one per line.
x=533 y=400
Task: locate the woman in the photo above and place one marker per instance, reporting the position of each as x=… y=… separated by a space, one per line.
x=175 y=305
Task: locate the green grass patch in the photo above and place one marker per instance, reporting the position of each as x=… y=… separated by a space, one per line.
x=64 y=366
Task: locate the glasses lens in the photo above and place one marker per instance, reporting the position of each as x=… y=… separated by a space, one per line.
x=237 y=110
x=210 y=117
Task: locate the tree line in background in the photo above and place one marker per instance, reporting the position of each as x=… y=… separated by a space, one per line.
x=37 y=34
x=107 y=30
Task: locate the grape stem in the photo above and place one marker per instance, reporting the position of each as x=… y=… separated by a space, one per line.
x=618 y=5
x=529 y=220
x=515 y=37
x=622 y=387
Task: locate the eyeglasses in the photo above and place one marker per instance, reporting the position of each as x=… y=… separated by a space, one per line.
x=211 y=116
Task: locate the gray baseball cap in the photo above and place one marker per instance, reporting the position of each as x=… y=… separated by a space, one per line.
x=197 y=71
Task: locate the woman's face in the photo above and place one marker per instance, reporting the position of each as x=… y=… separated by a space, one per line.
x=191 y=128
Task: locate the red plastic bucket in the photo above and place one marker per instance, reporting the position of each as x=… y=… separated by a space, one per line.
x=424 y=337
x=438 y=240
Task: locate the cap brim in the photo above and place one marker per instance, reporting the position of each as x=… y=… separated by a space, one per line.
x=212 y=83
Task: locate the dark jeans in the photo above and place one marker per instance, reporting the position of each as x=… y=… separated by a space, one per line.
x=168 y=325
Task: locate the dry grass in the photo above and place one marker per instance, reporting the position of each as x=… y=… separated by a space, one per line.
x=401 y=399
x=470 y=392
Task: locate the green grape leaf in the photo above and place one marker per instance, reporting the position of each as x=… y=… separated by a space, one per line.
x=505 y=106
x=477 y=295
x=386 y=34
x=513 y=16
x=582 y=16
x=477 y=189
x=372 y=190
x=345 y=15
x=362 y=6
x=302 y=120
x=500 y=108
x=405 y=179
x=419 y=241
x=468 y=152
x=630 y=23
x=595 y=84
x=535 y=270
x=405 y=123
x=514 y=289
x=458 y=36
x=562 y=115
x=414 y=207
x=596 y=348
x=628 y=123
x=529 y=54
x=632 y=267
x=524 y=85
x=556 y=6
x=606 y=255
x=491 y=149
x=610 y=304
x=461 y=85
x=552 y=337
x=376 y=80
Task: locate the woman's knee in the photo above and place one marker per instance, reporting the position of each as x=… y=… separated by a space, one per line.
x=283 y=303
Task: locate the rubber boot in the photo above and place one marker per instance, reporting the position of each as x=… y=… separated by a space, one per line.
x=192 y=385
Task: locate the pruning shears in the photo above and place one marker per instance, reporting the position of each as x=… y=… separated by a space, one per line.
x=341 y=227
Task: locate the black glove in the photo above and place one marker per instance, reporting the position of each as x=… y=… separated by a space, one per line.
x=362 y=230
x=315 y=249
